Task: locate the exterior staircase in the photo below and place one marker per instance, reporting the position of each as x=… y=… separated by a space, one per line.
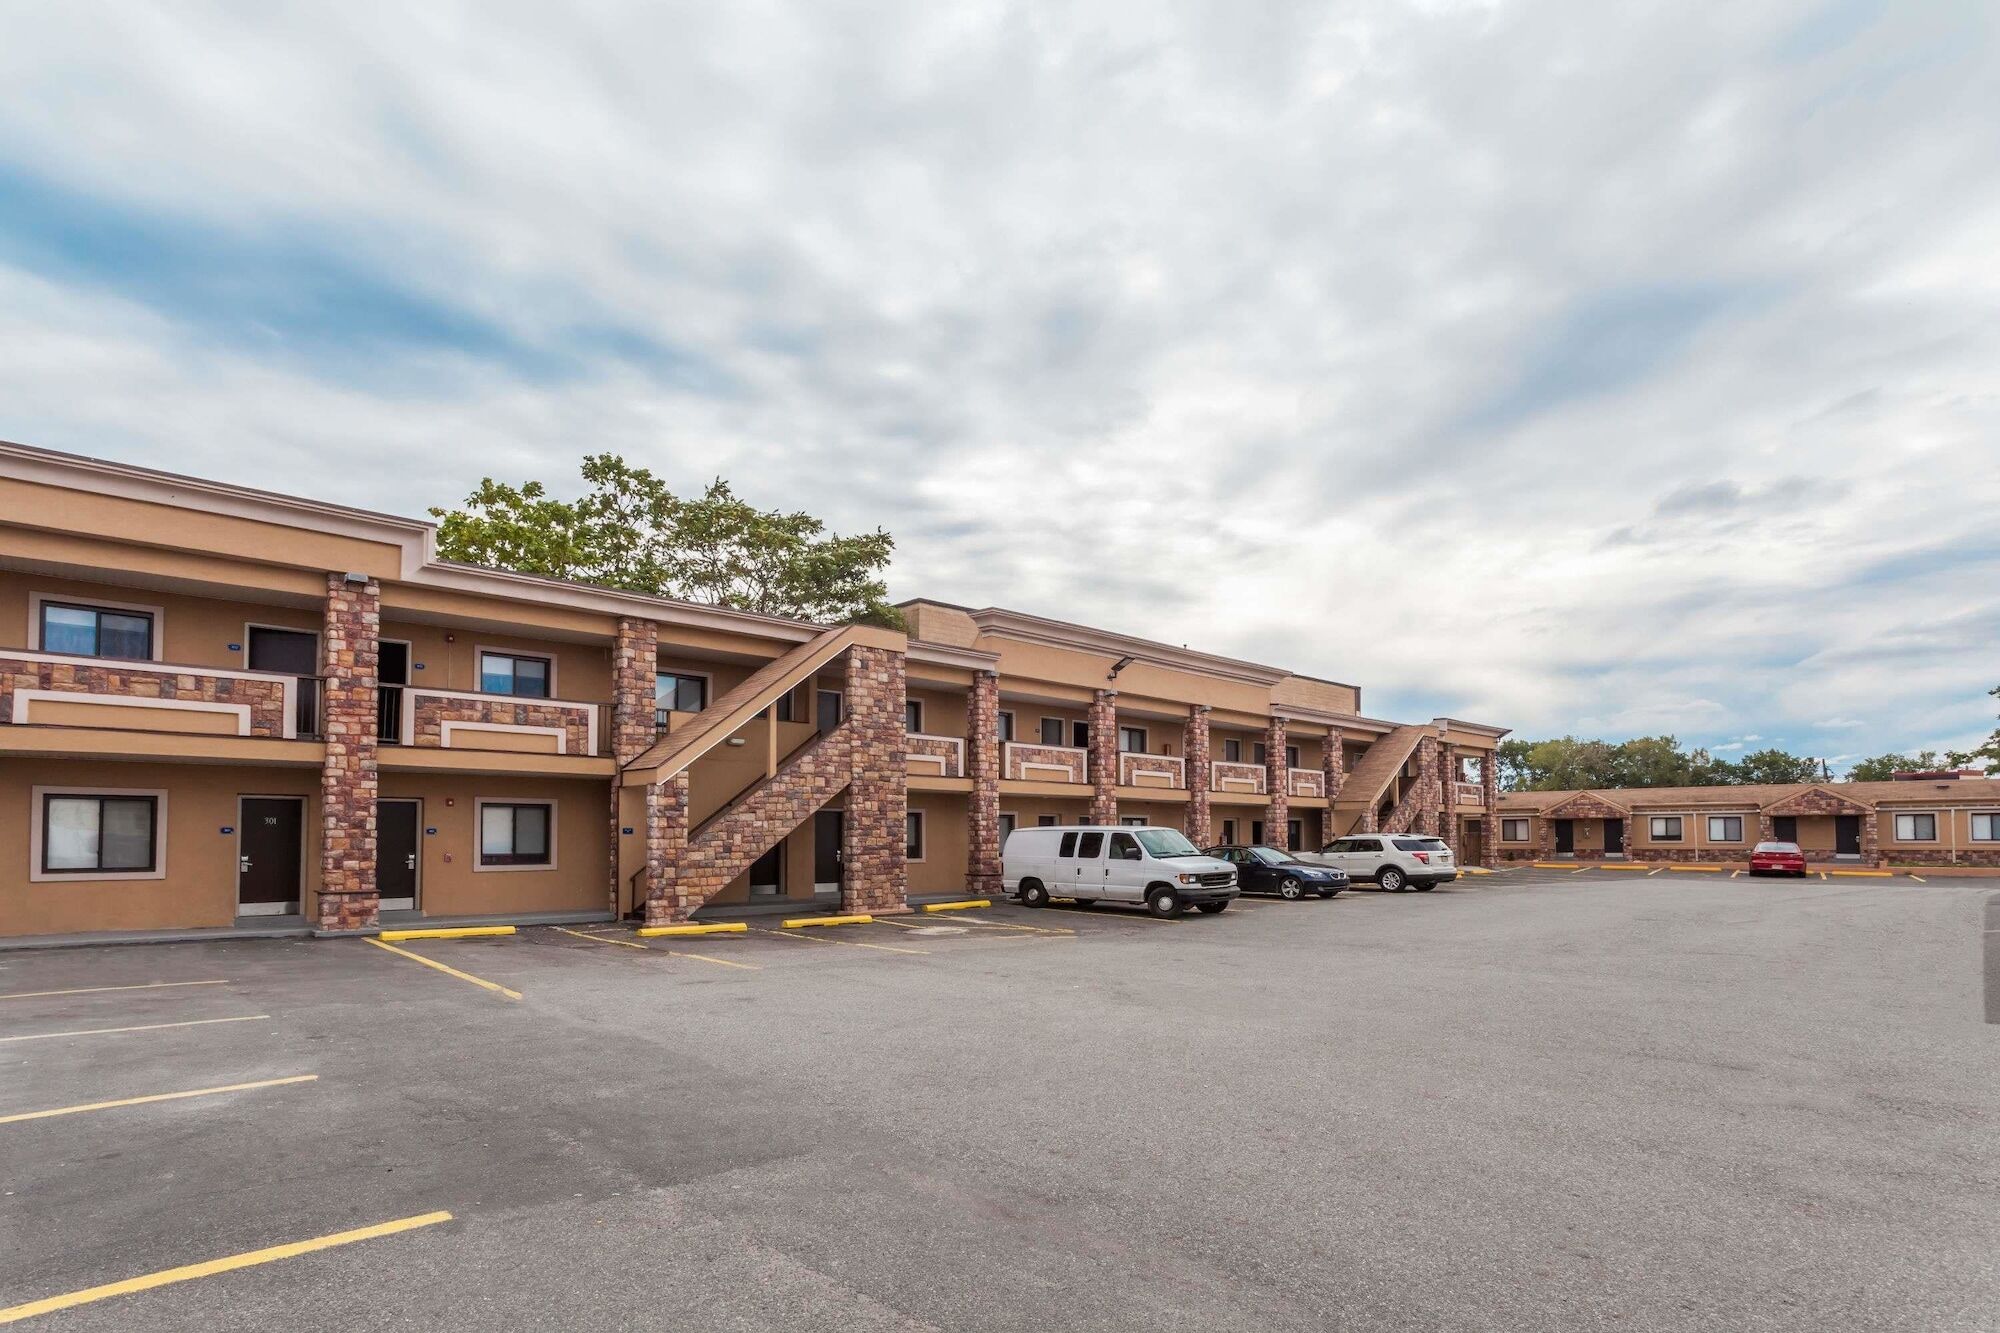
x=1367 y=782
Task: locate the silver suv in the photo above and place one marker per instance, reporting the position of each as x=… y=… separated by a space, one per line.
x=1395 y=861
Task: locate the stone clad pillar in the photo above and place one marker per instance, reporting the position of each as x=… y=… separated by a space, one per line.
x=1489 y=802
x=1277 y=786
x=1195 y=750
x=874 y=826
x=982 y=760
x=1333 y=765
x=666 y=848
x=1104 y=757
x=350 y=778
x=1423 y=814
x=1447 y=794
x=1871 y=839
x=635 y=669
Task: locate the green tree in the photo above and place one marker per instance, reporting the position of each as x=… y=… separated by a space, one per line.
x=1986 y=757
x=630 y=531
x=1884 y=767
x=1776 y=767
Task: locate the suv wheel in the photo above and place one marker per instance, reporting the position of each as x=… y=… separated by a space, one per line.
x=1033 y=894
x=1163 y=902
x=1290 y=889
x=1389 y=877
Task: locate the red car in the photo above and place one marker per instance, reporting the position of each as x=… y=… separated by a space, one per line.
x=1778 y=858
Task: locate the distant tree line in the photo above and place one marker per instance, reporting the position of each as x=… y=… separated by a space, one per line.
x=1568 y=763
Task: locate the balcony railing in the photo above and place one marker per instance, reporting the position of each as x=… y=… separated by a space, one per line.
x=1151 y=770
x=1024 y=761
x=1470 y=793
x=451 y=719
x=1227 y=776
x=1308 y=782
x=945 y=754
x=54 y=689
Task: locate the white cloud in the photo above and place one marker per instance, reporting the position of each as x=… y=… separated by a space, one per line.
x=1573 y=366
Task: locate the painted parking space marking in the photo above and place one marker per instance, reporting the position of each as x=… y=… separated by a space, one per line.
x=140 y=1027
x=844 y=944
x=96 y=990
x=211 y=1267
x=448 y=970
x=1920 y=879
x=671 y=953
x=977 y=921
x=155 y=1097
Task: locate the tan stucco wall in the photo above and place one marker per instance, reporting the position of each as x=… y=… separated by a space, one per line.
x=1323 y=695
x=199 y=888
x=944 y=711
x=192 y=631
x=451 y=884
x=449 y=659
x=943 y=868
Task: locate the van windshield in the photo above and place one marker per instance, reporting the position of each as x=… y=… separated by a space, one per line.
x=1165 y=842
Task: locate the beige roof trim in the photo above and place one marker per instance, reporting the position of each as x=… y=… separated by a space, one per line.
x=1062 y=634
x=417 y=539
x=943 y=654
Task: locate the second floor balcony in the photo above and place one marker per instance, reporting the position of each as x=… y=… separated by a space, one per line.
x=1469 y=793
x=452 y=719
x=936 y=756
x=1151 y=770
x=1023 y=761
x=1227 y=776
x=1308 y=782
x=53 y=689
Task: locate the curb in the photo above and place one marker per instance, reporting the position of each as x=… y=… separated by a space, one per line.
x=712 y=928
x=958 y=906
x=794 y=922
x=446 y=933
x=1700 y=870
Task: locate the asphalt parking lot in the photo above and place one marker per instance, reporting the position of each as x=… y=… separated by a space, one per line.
x=1533 y=1100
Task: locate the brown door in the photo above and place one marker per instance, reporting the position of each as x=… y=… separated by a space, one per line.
x=1614 y=837
x=827 y=838
x=396 y=853
x=293 y=653
x=270 y=849
x=1473 y=843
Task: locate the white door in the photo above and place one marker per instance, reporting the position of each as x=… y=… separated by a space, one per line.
x=1126 y=869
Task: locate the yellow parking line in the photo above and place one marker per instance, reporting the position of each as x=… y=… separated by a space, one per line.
x=1651 y=873
x=142 y=1027
x=155 y=1097
x=1734 y=873
x=93 y=990
x=851 y=944
x=210 y=1267
x=448 y=971
x=601 y=939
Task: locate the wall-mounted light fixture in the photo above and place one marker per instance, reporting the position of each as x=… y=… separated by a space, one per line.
x=1119 y=666
x=737 y=741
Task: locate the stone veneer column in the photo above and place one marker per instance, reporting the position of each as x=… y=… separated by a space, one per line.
x=1424 y=792
x=1871 y=838
x=1194 y=753
x=1447 y=793
x=635 y=670
x=666 y=846
x=1489 y=801
x=1277 y=786
x=1103 y=758
x=349 y=899
x=1333 y=764
x=982 y=759
x=875 y=826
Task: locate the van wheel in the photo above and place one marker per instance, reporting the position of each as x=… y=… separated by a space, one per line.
x=1033 y=894
x=1211 y=908
x=1390 y=878
x=1164 y=902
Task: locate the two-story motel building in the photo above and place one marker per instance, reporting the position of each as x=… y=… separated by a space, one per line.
x=224 y=709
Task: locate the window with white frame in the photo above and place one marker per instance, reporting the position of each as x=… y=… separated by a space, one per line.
x=87 y=834
x=1513 y=830
x=1916 y=828
x=1666 y=828
x=514 y=673
x=81 y=630
x=1986 y=826
x=516 y=833
x=913 y=836
x=1725 y=828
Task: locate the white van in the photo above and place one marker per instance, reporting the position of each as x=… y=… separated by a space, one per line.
x=1155 y=866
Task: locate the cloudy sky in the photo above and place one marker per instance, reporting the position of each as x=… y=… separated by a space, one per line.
x=1607 y=368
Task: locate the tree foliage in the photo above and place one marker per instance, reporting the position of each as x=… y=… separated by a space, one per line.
x=1568 y=763
x=630 y=531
